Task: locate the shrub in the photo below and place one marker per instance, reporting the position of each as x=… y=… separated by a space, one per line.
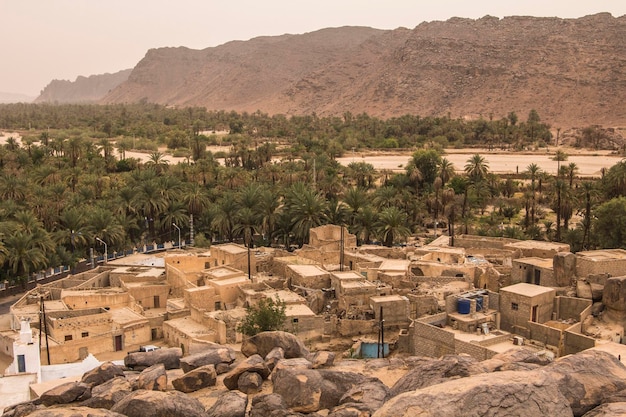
x=267 y=315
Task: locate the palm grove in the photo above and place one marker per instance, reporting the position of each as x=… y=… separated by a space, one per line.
x=69 y=182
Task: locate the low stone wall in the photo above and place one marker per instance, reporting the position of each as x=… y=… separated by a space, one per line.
x=545 y=334
x=431 y=341
x=475 y=350
x=576 y=342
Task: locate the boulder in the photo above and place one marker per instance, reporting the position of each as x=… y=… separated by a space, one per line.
x=199 y=378
x=66 y=393
x=254 y=363
x=608 y=410
x=264 y=342
x=587 y=378
x=301 y=389
x=271 y=405
x=496 y=394
x=230 y=404
x=144 y=403
x=249 y=383
x=170 y=358
x=522 y=355
x=436 y=371
x=614 y=297
x=106 y=395
x=322 y=359
x=105 y=372
x=370 y=396
x=564 y=267
x=222 y=368
x=211 y=356
x=273 y=357
x=21 y=409
x=310 y=390
x=583 y=290
x=153 y=378
x=295 y=363
x=74 y=412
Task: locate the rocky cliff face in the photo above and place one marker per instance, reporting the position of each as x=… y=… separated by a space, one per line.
x=83 y=89
x=572 y=71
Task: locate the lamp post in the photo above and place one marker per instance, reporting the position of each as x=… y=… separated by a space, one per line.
x=106 y=254
x=177 y=228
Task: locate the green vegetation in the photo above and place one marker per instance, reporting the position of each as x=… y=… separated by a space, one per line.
x=267 y=315
x=72 y=179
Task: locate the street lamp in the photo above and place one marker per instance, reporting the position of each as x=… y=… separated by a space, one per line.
x=106 y=254
x=177 y=228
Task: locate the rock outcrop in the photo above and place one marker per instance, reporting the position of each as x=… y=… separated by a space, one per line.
x=170 y=358
x=264 y=342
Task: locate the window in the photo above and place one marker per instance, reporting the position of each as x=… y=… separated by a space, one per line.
x=514 y=306
x=84 y=334
x=68 y=337
x=295 y=320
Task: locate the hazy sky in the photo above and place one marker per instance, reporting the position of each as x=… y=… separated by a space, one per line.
x=42 y=40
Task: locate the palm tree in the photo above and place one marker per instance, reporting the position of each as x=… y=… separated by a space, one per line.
x=365 y=223
x=157 y=161
x=533 y=172
x=571 y=171
x=392 y=224
x=150 y=201
x=307 y=209
x=224 y=216
x=476 y=168
x=446 y=170
x=24 y=255
x=589 y=195
x=246 y=224
x=559 y=157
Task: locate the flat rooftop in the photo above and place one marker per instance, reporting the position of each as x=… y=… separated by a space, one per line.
x=395 y=265
x=231 y=248
x=538 y=244
x=388 y=298
x=603 y=254
x=540 y=262
x=529 y=290
x=298 y=310
x=189 y=326
x=125 y=315
x=347 y=275
x=357 y=284
x=308 y=270
x=222 y=271
x=229 y=281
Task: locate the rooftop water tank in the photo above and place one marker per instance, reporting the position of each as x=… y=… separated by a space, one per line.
x=463 y=306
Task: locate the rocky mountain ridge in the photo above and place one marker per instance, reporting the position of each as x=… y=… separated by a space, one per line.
x=572 y=71
x=83 y=90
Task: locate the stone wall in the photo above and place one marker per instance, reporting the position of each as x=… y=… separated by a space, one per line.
x=475 y=350
x=576 y=342
x=587 y=265
x=472 y=241
x=545 y=334
x=431 y=341
x=571 y=308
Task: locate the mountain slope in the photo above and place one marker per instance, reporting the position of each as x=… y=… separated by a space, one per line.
x=572 y=71
x=83 y=89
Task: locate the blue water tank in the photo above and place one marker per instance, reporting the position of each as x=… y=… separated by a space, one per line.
x=463 y=306
x=479 y=303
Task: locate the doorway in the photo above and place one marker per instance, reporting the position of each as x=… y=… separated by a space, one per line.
x=118 y=343
x=533 y=316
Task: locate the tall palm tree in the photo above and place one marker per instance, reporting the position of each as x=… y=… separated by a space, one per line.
x=150 y=201
x=476 y=168
x=533 y=172
x=446 y=170
x=24 y=255
x=391 y=225
x=589 y=195
x=571 y=171
x=307 y=209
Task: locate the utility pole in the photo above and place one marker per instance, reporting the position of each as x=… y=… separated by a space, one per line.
x=381 y=335
x=45 y=325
